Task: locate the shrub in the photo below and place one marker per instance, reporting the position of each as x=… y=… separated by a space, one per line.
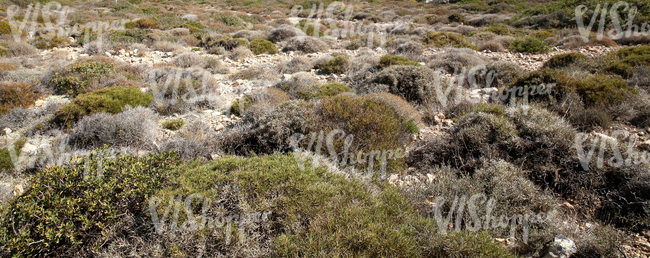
x=227 y=43
x=108 y=190
x=456 y=17
x=260 y=46
x=240 y=53
x=529 y=45
x=336 y=65
x=300 y=82
x=390 y=60
x=624 y=60
x=305 y=44
x=504 y=74
x=410 y=49
x=453 y=60
x=109 y=100
x=15 y=49
x=127 y=36
x=413 y=83
x=443 y=39
x=599 y=89
x=320 y=91
x=251 y=35
x=189 y=59
x=297 y=64
x=134 y=127
x=50 y=40
x=268 y=98
x=173 y=125
x=13 y=94
x=403 y=108
x=492 y=46
x=564 y=60
x=165 y=46
x=76 y=78
x=284 y=32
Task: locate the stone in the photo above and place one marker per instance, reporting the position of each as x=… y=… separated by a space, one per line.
x=29 y=149
x=562 y=247
x=7 y=131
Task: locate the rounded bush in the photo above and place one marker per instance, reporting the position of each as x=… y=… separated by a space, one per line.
x=260 y=46
x=336 y=65
x=564 y=60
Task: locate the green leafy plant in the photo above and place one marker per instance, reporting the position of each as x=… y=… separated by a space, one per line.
x=529 y=45
x=173 y=125
x=390 y=60
x=14 y=94
x=68 y=209
x=336 y=65
x=443 y=39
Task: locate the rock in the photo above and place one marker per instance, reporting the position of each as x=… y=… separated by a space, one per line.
x=7 y=131
x=5 y=191
x=393 y=179
x=214 y=156
x=562 y=247
x=218 y=127
x=18 y=190
x=29 y=149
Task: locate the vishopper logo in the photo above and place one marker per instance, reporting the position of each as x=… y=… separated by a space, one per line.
x=488 y=94
x=476 y=222
x=55 y=19
x=194 y=222
x=39 y=151
x=345 y=157
x=318 y=12
x=631 y=29
x=587 y=144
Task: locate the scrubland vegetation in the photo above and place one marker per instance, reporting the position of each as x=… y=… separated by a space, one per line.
x=253 y=129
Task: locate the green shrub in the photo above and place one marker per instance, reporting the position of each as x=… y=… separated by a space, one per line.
x=229 y=20
x=390 y=60
x=227 y=43
x=69 y=209
x=127 y=36
x=149 y=10
x=13 y=94
x=76 y=78
x=313 y=212
x=336 y=65
x=109 y=100
x=625 y=60
x=407 y=112
x=325 y=90
x=416 y=84
x=173 y=125
x=564 y=60
x=261 y=46
x=443 y=39
x=310 y=31
x=529 y=45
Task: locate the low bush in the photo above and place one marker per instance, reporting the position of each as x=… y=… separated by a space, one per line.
x=284 y=32
x=15 y=49
x=305 y=44
x=492 y=46
x=188 y=59
x=456 y=17
x=390 y=60
x=529 y=45
x=226 y=43
x=407 y=112
x=624 y=61
x=297 y=64
x=240 y=53
x=410 y=49
x=268 y=98
x=110 y=100
x=102 y=189
x=76 y=78
x=336 y=65
x=320 y=91
x=14 y=94
x=173 y=124
x=454 y=60
x=444 y=39
x=50 y=40
x=502 y=73
x=565 y=60
x=134 y=127
x=416 y=84
x=261 y=46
